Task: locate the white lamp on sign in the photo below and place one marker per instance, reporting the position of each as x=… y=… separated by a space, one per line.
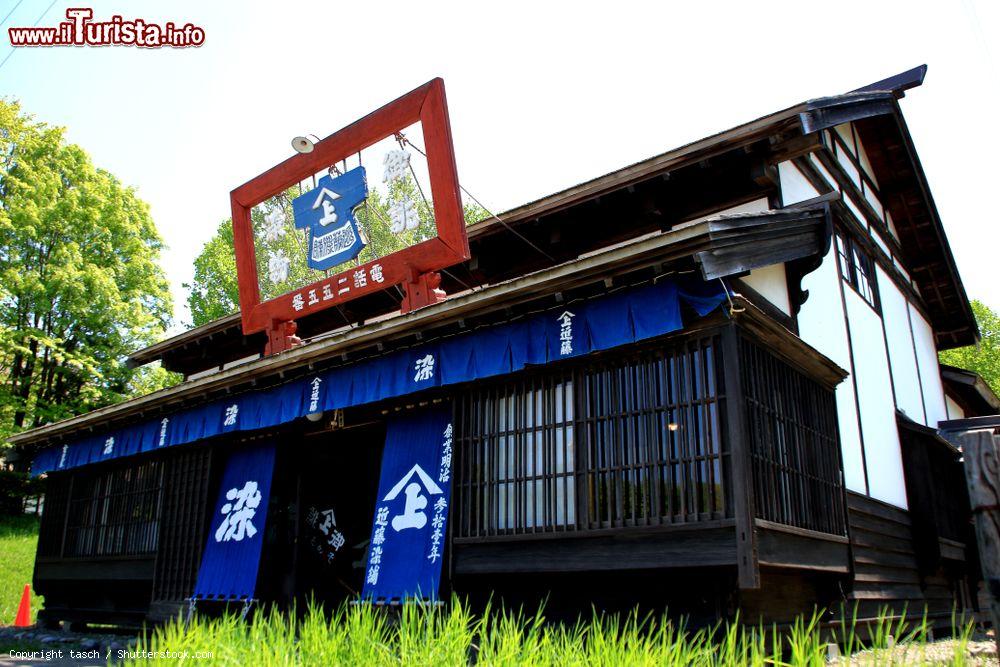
x=314 y=416
x=304 y=144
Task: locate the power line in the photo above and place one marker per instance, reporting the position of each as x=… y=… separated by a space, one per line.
x=14 y=48
x=401 y=138
x=13 y=9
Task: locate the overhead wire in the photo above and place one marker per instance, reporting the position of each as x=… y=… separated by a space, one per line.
x=403 y=139
x=14 y=48
x=12 y=10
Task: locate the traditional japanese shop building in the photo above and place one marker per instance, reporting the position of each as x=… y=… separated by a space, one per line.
x=708 y=380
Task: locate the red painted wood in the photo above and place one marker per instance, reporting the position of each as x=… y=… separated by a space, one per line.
x=422 y=291
x=426 y=104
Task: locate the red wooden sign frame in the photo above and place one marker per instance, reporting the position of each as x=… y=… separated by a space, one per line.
x=413 y=267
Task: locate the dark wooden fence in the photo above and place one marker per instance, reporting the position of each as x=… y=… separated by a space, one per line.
x=184 y=523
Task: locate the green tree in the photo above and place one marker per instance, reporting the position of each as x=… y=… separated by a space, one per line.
x=214 y=293
x=983 y=357
x=80 y=283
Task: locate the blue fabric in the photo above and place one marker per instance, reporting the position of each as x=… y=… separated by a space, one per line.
x=599 y=324
x=231 y=558
x=411 y=513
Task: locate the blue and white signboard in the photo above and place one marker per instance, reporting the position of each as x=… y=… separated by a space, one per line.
x=411 y=511
x=327 y=211
x=232 y=553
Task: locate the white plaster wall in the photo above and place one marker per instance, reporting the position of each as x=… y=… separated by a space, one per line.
x=794 y=186
x=906 y=381
x=878 y=410
x=930 y=371
x=772 y=284
x=953 y=409
x=824 y=172
x=821 y=324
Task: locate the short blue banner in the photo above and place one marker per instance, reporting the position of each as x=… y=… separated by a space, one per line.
x=232 y=554
x=571 y=330
x=411 y=512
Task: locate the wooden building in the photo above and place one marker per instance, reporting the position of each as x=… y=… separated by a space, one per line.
x=778 y=452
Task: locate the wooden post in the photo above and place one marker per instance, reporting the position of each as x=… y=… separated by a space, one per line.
x=982 y=474
x=742 y=489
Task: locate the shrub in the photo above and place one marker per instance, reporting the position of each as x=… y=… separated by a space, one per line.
x=15 y=488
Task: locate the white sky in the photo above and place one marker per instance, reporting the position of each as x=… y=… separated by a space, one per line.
x=541 y=95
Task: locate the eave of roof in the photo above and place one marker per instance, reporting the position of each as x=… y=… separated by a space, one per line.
x=654 y=249
x=648 y=250
x=960 y=379
x=153 y=352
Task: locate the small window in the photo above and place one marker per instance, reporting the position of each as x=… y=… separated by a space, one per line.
x=857 y=269
x=115 y=512
x=517 y=473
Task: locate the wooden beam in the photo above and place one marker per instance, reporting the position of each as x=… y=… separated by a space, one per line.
x=747 y=567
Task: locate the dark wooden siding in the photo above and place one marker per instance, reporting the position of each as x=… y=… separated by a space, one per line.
x=936 y=494
x=886 y=571
x=53 y=524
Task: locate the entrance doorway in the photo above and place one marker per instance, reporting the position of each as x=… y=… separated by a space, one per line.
x=336 y=481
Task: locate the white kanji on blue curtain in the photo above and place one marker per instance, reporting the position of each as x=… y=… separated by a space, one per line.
x=231 y=557
x=239 y=513
x=411 y=516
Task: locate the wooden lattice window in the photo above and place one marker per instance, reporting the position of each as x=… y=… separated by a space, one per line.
x=115 y=512
x=631 y=440
x=517 y=459
x=653 y=438
x=793 y=441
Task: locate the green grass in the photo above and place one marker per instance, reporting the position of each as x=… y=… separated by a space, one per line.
x=18 y=539
x=453 y=635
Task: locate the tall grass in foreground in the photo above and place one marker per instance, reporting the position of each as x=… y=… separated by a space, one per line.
x=452 y=635
x=18 y=539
